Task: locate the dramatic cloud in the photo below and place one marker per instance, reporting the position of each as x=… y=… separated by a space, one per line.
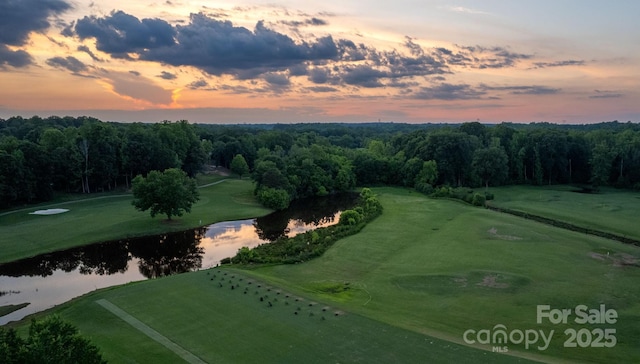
x=69 y=63
x=558 y=64
x=119 y=33
x=17 y=58
x=365 y=76
x=18 y=18
x=487 y=57
x=167 y=75
x=523 y=90
x=267 y=57
x=307 y=22
x=447 y=91
x=198 y=84
x=85 y=49
x=217 y=47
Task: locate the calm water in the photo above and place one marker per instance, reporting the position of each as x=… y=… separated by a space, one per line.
x=52 y=279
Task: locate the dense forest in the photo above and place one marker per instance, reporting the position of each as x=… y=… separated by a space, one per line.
x=39 y=157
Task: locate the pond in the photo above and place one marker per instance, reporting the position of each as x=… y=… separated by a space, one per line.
x=51 y=279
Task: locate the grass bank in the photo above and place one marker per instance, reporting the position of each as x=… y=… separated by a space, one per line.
x=425 y=268
x=610 y=210
x=202 y=314
x=440 y=268
x=113 y=217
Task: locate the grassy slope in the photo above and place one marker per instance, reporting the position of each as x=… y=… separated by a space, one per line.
x=95 y=220
x=405 y=266
x=405 y=271
x=221 y=325
x=611 y=210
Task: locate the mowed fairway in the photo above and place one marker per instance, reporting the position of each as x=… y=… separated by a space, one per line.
x=113 y=217
x=200 y=313
x=440 y=267
x=610 y=210
x=425 y=268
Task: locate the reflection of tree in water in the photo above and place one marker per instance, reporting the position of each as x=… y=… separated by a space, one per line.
x=107 y=258
x=311 y=211
x=170 y=253
x=104 y=258
x=159 y=256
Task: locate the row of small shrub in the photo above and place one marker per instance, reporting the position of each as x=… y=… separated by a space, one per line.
x=311 y=244
x=465 y=194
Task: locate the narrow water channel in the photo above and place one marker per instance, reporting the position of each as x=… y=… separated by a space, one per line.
x=51 y=279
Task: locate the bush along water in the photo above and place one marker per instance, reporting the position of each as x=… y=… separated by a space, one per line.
x=313 y=243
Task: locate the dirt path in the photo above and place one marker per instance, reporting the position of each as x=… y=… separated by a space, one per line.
x=162 y=340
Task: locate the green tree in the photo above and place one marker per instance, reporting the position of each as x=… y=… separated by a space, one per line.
x=428 y=173
x=273 y=198
x=50 y=341
x=601 y=160
x=239 y=165
x=491 y=165
x=170 y=192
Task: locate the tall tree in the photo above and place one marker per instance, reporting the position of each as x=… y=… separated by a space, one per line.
x=239 y=165
x=491 y=165
x=170 y=192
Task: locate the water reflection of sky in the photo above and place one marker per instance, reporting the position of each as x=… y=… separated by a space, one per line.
x=219 y=241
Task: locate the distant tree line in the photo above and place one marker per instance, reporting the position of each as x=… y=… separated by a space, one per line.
x=290 y=161
x=41 y=156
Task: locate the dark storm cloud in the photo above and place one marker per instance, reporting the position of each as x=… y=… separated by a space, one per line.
x=16 y=59
x=364 y=76
x=298 y=70
x=218 y=47
x=69 y=63
x=167 y=75
x=121 y=33
x=276 y=79
x=18 y=19
x=215 y=46
x=447 y=91
x=319 y=75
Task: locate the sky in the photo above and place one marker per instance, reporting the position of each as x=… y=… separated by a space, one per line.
x=282 y=61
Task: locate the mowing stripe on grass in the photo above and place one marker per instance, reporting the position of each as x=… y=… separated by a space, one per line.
x=184 y=354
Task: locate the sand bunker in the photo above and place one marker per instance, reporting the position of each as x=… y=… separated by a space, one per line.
x=48 y=212
x=617 y=259
x=493 y=232
x=491 y=281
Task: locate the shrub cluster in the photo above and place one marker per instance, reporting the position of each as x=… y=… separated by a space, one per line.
x=313 y=243
x=465 y=194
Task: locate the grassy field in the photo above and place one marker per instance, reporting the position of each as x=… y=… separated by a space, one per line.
x=439 y=267
x=203 y=315
x=610 y=210
x=109 y=217
x=425 y=268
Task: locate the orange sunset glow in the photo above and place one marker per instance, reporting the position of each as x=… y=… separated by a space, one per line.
x=293 y=61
